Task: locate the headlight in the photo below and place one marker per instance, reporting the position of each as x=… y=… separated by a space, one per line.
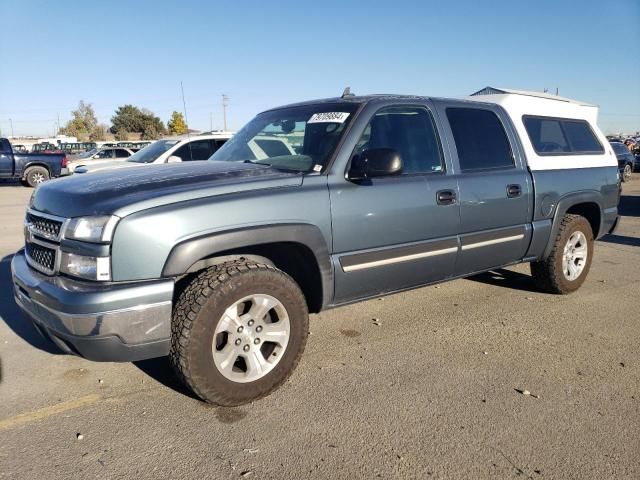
x=91 y=268
x=91 y=229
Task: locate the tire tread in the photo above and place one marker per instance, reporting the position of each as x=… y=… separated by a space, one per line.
x=190 y=302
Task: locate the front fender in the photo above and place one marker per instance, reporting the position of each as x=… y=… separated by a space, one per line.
x=189 y=252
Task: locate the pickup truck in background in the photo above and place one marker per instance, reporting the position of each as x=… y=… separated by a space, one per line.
x=311 y=206
x=30 y=168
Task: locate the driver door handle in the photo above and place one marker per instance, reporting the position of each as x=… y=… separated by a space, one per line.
x=446 y=197
x=514 y=191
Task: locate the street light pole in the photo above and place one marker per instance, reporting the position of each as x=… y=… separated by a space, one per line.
x=225 y=100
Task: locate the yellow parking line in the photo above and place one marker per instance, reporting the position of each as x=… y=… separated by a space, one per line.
x=47 y=411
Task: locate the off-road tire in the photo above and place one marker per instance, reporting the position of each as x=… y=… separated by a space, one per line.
x=547 y=274
x=198 y=310
x=36 y=175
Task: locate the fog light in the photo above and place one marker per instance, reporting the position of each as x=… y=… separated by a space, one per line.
x=91 y=268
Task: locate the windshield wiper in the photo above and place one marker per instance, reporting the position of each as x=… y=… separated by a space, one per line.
x=257 y=162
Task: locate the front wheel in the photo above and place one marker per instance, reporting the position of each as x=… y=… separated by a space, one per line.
x=567 y=266
x=238 y=332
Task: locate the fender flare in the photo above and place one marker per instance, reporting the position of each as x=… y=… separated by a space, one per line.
x=563 y=205
x=187 y=253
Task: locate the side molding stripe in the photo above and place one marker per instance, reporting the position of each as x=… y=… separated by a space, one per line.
x=493 y=242
x=404 y=258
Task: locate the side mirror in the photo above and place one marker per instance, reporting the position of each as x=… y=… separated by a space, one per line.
x=376 y=162
x=174 y=159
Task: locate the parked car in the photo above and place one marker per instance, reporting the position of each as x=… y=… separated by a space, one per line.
x=626 y=160
x=99 y=154
x=30 y=168
x=218 y=263
x=168 y=150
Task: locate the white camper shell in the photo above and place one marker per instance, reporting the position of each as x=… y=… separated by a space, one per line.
x=522 y=105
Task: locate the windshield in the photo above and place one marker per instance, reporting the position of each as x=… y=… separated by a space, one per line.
x=152 y=152
x=301 y=139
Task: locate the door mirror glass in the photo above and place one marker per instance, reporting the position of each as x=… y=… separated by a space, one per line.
x=174 y=159
x=375 y=162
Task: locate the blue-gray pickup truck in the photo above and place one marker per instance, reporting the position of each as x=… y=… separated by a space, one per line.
x=311 y=206
x=30 y=168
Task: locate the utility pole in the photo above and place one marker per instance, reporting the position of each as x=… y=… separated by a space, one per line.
x=211 y=121
x=225 y=100
x=11 y=127
x=58 y=130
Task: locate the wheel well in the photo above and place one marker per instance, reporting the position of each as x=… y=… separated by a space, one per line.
x=295 y=259
x=31 y=165
x=590 y=211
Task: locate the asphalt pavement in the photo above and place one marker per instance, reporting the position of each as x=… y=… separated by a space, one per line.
x=432 y=388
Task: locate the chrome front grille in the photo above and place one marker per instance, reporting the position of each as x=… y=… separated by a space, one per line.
x=43 y=233
x=43 y=225
x=41 y=257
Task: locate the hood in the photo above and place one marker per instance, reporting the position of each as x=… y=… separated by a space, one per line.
x=121 y=193
x=89 y=166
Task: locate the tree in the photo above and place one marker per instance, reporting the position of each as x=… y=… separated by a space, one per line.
x=129 y=118
x=176 y=124
x=99 y=133
x=122 y=135
x=83 y=123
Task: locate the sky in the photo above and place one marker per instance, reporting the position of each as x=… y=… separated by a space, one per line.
x=265 y=54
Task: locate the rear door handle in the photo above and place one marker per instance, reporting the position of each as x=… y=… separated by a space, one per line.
x=446 y=197
x=514 y=191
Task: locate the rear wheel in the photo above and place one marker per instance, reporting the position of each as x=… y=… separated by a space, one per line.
x=34 y=176
x=567 y=266
x=626 y=172
x=238 y=332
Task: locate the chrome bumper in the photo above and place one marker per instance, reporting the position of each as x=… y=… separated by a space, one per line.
x=99 y=322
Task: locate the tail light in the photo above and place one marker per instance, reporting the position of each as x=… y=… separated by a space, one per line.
x=64 y=161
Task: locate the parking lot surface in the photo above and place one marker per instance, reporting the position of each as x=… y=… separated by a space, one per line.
x=422 y=384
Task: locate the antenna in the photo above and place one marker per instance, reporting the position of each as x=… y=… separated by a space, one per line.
x=186 y=119
x=347 y=93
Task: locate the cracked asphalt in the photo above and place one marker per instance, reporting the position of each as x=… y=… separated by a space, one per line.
x=431 y=389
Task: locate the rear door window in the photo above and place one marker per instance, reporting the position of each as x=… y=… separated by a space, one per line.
x=480 y=138
x=122 y=153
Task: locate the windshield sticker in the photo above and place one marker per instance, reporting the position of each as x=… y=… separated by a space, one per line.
x=317 y=168
x=331 y=117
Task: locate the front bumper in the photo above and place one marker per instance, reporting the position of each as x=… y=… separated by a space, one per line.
x=112 y=323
